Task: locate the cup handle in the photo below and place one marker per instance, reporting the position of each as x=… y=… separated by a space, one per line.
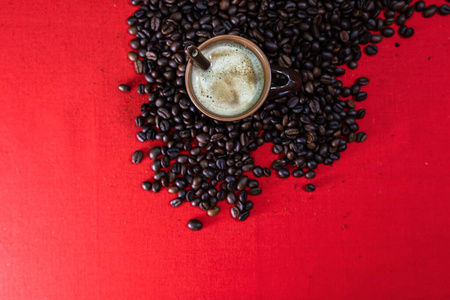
x=293 y=83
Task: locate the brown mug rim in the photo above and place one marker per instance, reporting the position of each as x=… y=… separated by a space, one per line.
x=267 y=77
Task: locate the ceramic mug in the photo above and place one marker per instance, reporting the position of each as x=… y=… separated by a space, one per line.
x=270 y=90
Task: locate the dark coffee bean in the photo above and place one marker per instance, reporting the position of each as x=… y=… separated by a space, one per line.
x=285 y=61
x=231 y=198
x=298 y=173
x=255 y=191
x=155 y=152
x=267 y=172
x=430 y=11
x=146 y=186
x=354 y=90
x=124 y=88
x=371 y=50
x=195 y=225
x=203 y=138
x=176 y=202
x=387 y=32
x=156 y=186
x=361 y=96
x=419 y=5
x=376 y=38
x=248 y=205
x=283 y=173
x=139 y=66
x=213 y=211
x=363 y=81
x=204 y=205
x=252 y=183
x=235 y=212
x=137 y=156
x=444 y=10
x=278 y=164
x=270 y=46
x=243 y=216
x=133 y=56
x=141 y=136
x=310 y=187
x=361 y=137
x=258 y=172
x=242 y=182
x=310 y=174
x=243 y=196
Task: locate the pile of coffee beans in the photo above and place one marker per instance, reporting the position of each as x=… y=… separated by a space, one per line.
x=205 y=161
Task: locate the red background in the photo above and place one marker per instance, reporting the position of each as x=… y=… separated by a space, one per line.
x=75 y=223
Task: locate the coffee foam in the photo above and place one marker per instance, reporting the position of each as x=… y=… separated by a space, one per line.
x=233 y=82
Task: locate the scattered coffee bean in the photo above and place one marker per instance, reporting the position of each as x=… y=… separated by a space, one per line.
x=310 y=187
x=444 y=10
x=137 y=156
x=310 y=174
x=298 y=173
x=213 y=211
x=361 y=137
x=371 y=50
x=430 y=11
x=124 y=88
x=195 y=225
x=146 y=186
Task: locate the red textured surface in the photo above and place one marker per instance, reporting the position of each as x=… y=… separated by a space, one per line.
x=75 y=223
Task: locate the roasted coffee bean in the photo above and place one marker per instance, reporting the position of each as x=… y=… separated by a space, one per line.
x=310 y=174
x=252 y=183
x=283 y=173
x=444 y=10
x=419 y=5
x=255 y=191
x=132 y=56
x=267 y=172
x=310 y=187
x=176 y=202
x=141 y=136
x=156 y=186
x=124 y=88
x=354 y=90
x=258 y=172
x=376 y=38
x=243 y=196
x=231 y=198
x=137 y=156
x=146 y=185
x=243 y=216
x=204 y=205
x=138 y=66
x=242 y=182
x=298 y=173
x=387 y=32
x=361 y=137
x=361 y=96
x=213 y=211
x=248 y=205
x=371 y=50
x=195 y=225
x=363 y=81
x=155 y=152
x=278 y=164
x=430 y=11
x=235 y=212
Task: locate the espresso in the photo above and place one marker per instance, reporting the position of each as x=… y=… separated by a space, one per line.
x=234 y=81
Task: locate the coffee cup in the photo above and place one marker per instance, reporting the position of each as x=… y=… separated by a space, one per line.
x=238 y=78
